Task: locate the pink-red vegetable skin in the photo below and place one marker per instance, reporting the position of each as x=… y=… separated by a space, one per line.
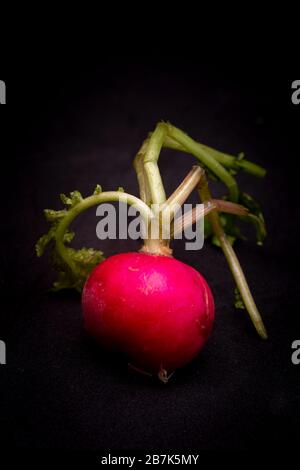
x=156 y=309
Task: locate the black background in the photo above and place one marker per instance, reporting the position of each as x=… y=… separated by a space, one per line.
x=73 y=124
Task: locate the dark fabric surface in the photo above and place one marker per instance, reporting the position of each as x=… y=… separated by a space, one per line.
x=83 y=126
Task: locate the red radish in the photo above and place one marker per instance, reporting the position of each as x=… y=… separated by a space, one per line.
x=156 y=309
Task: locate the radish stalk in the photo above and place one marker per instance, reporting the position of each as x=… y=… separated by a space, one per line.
x=158 y=195
x=229 y=161
x=204 y=157
x=183 y=191
x=138 y=164
x=192 y=216
x=234 y=264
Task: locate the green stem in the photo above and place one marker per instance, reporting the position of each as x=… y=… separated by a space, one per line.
x=180 y=195
x=158 y=195
x=229 y=161
x=109 y=196
x=204 y=157
x=138 y=164
x=155 y=244
x=234 y=264
x=252 y=168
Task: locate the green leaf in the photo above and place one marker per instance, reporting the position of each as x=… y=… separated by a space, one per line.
x=255 y=216
x=52 y=215
x=207 y=228
x=249 y=202
x=240 y=156
x=68 y=237
x=232 y=231
x=44 y=240
x=82 y=260
x=215 y=241
x=73 y=200
x=230 y=227
x=97 y=190
x=65 y=200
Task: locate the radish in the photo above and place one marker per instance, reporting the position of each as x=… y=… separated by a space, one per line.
x=156 y=309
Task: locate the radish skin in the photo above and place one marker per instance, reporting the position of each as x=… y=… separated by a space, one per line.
x=155 y=308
